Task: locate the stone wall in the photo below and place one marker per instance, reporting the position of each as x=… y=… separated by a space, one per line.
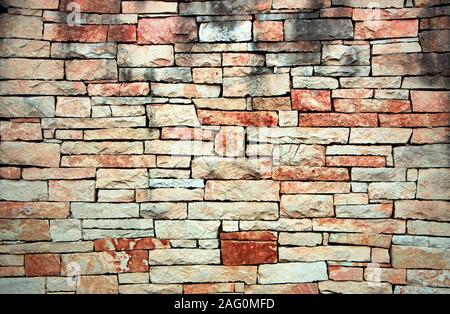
x=261 y=146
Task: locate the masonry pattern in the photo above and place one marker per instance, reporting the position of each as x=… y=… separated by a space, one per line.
x=260 y=146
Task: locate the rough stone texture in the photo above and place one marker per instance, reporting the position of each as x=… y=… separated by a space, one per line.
x=233 y=146
x=292 y=273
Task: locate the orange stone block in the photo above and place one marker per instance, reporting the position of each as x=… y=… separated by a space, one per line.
x=42 y=265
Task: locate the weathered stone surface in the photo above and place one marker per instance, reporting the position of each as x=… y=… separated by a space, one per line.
x=122 y=178
x=259 y=85
x=392 y=190
x=20 y=153
x=292 y=273
x=149 y=7
x=235 y=31
x=425 y=210
x=15 y=68
x=34 y=210
x=430 y=101
x=318 y=29
x=205 y=273
x=184 y=257
x=233 y=211
x=172 y=115
x=27 y=107
x=10 y=131
x=104 y=210
x=386 y=29
x=225 y=7
x=435 y=40
x=364 y=211
x=97 y=285
x=231 y=168
x=314 y=187
x=354 y=287
x=33 y=87
x=311 y=100
x=282 y=224
x=22 y=285
x=11 y=48
x=93 y=6
x=300 y=206
x=108 y=161
x=410 y=64
x=68 y=190
x=301 y=155
x=389 y=226
x=324 y=253
x=24 y=229
x=46 y=247
x=145 y=56
x=429 y=278
x=64 y=230
x=379 y=136
x=298 y=135
x=21 y=190
x=378 y=175
x=427 y=156
x=376 y=240
x=433 y=184
x=84 y=50
x=186 y=229
x=428 y=228
x=106 y=262
x=345 y=55
x=420 y=257
x=21 y=26
x=300 y=239
x=242 y=190
x=130 y=244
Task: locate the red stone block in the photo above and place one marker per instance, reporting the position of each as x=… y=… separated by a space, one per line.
x=122 y=33
x=82 y=33
x=249 y=236
x=338 y=119
x=9 y=173
x=268 y=31
x=313 y=174
x=386 y=29
x=340 y=273
x=168 y=30
x=371 y=105
x=356 y=161
x=414 y=120
x=311 y=100
x=430 y=101
x=93 y=6
x=248 y=252
x=130 y=244
x=238 y=118
x=42 y=265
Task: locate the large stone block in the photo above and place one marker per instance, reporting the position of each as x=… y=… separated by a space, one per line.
x=320 y=29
